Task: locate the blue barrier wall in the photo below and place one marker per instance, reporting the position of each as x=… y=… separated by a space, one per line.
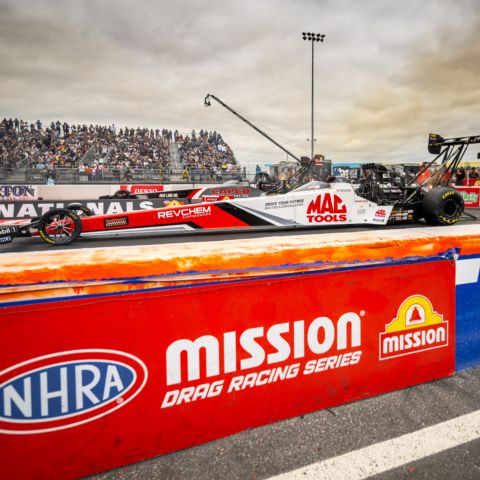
x=468 y=313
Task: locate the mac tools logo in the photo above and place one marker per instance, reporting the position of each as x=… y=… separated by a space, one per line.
x=327 y=207
x=65 y=389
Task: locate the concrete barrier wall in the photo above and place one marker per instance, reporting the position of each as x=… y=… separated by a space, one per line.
x=126 y=353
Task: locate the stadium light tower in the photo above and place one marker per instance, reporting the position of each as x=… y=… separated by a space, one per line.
x=312 y=37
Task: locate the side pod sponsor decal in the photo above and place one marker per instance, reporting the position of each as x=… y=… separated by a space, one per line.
x=416 y=328
x=66 y=389
x=327 y=208
x=116 y=222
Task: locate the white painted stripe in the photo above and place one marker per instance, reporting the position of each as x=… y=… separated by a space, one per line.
x=384 y=456
x=468 y=271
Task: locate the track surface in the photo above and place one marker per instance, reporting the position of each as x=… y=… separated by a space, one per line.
x=283 y=447
x=29 y=244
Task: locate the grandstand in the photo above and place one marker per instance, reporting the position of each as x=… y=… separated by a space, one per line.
x=64 y=153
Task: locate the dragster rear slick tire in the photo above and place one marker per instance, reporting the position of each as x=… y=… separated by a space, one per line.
x=122 y=194
x=79 y=209
x=442 y=206
x=59 y=227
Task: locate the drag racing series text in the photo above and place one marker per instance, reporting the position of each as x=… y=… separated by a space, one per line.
x=336 y=344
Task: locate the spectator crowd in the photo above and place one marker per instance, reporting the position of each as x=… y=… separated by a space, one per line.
x=205 y=156
x=101 y=153
x=462 y=177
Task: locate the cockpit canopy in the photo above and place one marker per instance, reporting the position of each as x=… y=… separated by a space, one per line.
x=314 y=185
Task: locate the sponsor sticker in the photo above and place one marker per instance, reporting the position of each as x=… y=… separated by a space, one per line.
x=234 y=191
x=8 y=230
x=174 y=203
x=65 y=389
x=416 y=328
x=185 y=213
x=211 y=198
x=137 y=189
x=326 y=208
x=116 y=222
x=470 y=197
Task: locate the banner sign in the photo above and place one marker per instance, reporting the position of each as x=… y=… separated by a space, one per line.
x=471 y=196
x=13 y=210
x=91 y=384
x=18 y=192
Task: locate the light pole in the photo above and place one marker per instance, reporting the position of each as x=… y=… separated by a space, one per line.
x=312 y=37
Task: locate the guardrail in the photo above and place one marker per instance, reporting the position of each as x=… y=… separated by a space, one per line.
x=139 y=175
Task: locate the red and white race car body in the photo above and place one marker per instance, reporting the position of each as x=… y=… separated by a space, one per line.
x=320 y=205
x=225 y=191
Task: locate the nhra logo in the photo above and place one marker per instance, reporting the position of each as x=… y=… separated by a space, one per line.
x=327 y=207
x=66 y=389
x=416 y=328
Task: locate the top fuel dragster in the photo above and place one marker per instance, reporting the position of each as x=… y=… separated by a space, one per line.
x=382 y=197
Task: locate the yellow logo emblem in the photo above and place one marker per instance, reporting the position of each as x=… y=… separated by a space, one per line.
x=417 y=327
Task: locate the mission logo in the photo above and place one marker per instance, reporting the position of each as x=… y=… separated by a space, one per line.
x=416 y=328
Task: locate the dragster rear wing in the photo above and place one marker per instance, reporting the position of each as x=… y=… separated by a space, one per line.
x=449 y=153
x=436 y=142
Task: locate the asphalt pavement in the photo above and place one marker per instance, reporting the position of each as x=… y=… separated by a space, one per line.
x=287 y=446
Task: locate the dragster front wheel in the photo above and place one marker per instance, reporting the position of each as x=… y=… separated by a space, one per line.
x=59 y=227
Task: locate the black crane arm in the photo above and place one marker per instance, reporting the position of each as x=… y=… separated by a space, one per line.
x=261 y=132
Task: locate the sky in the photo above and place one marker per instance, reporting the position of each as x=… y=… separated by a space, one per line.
x=387 y=74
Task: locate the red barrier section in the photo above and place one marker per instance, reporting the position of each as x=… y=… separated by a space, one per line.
x=115 y=379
